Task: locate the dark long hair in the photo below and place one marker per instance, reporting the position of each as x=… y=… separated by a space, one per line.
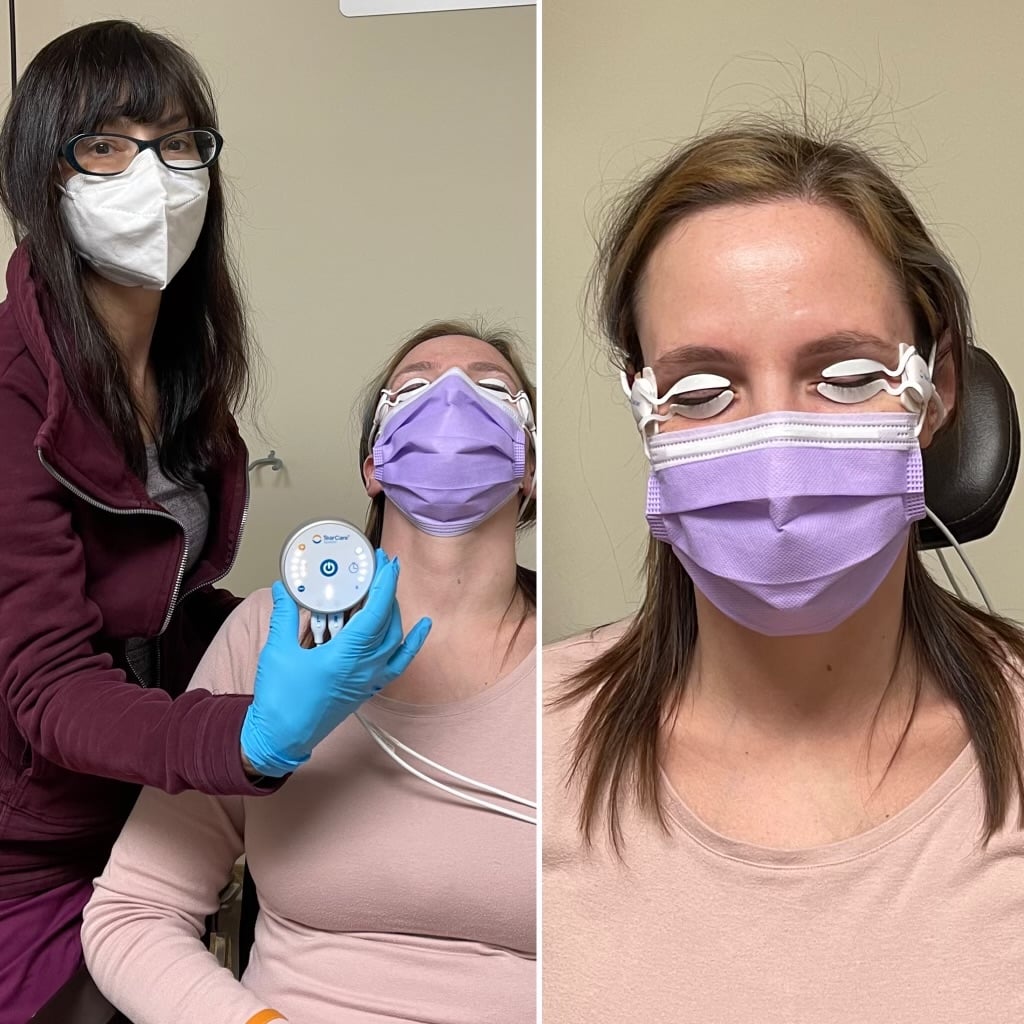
x=638 y=682
x=508 y=346
x=201 y=350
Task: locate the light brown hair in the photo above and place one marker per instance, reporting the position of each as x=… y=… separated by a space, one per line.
x=634 y=686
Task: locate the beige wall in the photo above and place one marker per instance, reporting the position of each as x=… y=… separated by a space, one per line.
x=622 y=81
x=384 y=172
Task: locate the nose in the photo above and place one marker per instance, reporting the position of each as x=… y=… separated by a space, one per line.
x=776 y=391
x=145 y=162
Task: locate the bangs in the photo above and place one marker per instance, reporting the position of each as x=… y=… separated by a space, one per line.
x=122 y=71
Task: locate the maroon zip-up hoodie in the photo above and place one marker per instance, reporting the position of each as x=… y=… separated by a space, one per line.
x=88 y=561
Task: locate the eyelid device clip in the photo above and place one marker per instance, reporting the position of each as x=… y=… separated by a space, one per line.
x=915 y=389
x=644 y=398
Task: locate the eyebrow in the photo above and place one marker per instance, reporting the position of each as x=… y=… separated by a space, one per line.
x=167 y=122
x=414 y=368
x=839 y=343
x=847 y=342
x=491 y=368
x=426 y=365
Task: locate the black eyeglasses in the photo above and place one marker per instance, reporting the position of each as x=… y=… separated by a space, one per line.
x=106 y=154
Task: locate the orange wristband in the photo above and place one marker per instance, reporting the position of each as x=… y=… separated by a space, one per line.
x=265 y=1017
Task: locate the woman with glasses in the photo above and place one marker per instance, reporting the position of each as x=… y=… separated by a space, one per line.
x=123 y=353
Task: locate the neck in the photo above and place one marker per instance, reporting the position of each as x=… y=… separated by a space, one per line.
x=129 y=315
x=467 y=586
x=828 y=685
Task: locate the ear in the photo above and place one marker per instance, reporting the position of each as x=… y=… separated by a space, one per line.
x=528 y=486
x=62 y=172
x=370 y=482
x=944 y=379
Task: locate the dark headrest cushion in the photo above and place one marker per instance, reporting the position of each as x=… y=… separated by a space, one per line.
x=969 y=470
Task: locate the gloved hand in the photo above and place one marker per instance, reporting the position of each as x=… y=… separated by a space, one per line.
x=302 y=694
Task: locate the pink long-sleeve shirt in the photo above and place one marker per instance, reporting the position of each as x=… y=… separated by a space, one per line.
x=382 y=899
x=910 y=922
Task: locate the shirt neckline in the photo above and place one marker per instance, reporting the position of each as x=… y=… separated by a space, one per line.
x=963 y=766
x=526 y=669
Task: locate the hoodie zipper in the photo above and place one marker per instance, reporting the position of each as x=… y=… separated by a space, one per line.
x=175 y=600
x=209 y=583
x=234 y=554
x=130 y=512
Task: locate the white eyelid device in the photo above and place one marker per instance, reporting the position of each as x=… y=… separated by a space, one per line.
x=915 y=389
x=644 y=399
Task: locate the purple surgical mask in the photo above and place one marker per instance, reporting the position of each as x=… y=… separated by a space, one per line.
x=452 y=452
x=788 y=522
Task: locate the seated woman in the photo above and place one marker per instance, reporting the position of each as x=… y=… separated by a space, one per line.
x=381 y=897
x=788 y=789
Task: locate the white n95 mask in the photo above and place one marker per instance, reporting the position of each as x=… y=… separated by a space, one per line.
x=139 y=227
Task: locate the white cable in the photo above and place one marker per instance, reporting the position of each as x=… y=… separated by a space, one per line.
x=318 y=623
x=440 y=785
x=963 y=558
x=372 y=727
x=949 y=575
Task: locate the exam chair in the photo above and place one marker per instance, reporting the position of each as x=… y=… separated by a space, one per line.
x=969 y=470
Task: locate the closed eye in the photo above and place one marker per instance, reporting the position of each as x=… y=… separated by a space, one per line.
x=850 y=390
x=699 y=396
x=495 y=384
x=413 y=384
x=854 y=380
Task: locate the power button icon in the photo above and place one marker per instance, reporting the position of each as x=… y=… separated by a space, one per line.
x=328 y=566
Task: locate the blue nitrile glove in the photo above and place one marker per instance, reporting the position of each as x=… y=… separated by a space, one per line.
x=301 y=694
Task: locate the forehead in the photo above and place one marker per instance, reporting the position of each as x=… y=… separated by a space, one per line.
x=169 y=121
x=763 y=279
x=455 y=350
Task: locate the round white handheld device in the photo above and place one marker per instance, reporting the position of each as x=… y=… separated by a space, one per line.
x=327 y=566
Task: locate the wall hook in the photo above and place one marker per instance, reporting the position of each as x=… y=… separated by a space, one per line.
x=270 y=459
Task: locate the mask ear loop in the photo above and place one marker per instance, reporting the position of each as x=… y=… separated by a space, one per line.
x=525 y=410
